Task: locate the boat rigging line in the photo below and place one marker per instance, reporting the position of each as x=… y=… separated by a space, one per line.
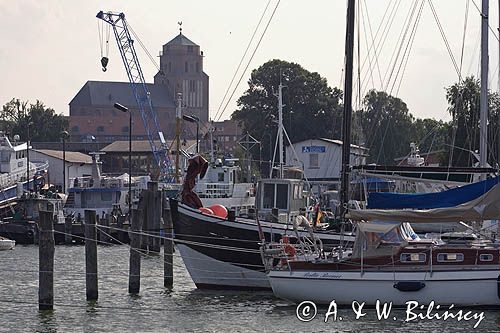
x=242 y=58
x=249 y=61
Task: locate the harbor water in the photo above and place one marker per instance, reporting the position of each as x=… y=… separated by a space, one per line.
x=156 y=309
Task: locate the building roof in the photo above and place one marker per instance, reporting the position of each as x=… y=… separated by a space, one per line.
x=180 y=39
x=71 y=156
x=139 y=146
x=339 y=142
x=105 y=93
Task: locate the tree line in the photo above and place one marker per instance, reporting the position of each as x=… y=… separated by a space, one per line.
x=32 y=121
x=383 y=123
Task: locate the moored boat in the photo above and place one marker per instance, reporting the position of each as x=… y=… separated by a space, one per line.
x=6 y=244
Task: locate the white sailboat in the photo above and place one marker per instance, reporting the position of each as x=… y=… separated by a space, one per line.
x=388 y=262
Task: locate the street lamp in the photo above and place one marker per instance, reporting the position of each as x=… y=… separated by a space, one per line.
x=122 y=108
x=64 y=136
x=194 y=119
x=28 y=152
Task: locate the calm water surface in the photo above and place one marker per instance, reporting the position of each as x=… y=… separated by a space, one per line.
x=155 y=309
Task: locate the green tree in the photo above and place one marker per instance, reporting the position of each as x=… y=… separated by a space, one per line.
x=387 y=125
x=464 y=106
x=44 y=124
x=312 y=109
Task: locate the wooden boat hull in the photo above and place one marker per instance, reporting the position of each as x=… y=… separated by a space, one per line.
x=216 y=250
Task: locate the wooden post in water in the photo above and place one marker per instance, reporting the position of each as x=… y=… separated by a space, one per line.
x=168 y=245
x=68 y=229
x=46 y=262
x=144 y=211
x=154 y=214
x=91 y=255
x=104 y=230
x=134 y=280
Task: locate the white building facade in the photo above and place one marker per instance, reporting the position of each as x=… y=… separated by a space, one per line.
x=321 y=159
x=77 y=165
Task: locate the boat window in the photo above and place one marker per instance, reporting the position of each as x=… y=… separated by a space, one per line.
x=296 y=194
x=282 y=196
x=5 y=156
x=486 y=257
x=106 y=196
x=268 y=196
x=450 y=257
x=412 y=257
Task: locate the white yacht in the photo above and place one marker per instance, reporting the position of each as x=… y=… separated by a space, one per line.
x=13 y=168
x=221 y=186
x=101 y=193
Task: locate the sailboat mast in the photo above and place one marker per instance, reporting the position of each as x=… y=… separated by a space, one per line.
x=280 y=127
x=346 y=123
x=483 y=136
x=178 y=119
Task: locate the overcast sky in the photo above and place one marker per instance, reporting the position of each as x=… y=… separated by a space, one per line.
x=50 y=48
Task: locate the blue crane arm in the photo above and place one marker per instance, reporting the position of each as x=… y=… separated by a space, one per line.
x=140 y=91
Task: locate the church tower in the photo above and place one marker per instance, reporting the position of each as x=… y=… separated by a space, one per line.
x=181 y=64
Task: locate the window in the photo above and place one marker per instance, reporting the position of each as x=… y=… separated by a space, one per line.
x=75 y=129
x=125 y=129
x=197 y=67
x=186 y=66
x=412 y=257
x=220 y=176
x=100 y=129
x=192 y=86
x=190 y=48
x=106 y=196
x=313 y=161
x=450 y=257
x=486 y=257
x=268 y=197
x=282 y=196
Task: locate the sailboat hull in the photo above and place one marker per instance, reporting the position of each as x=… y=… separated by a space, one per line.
x=472 y=287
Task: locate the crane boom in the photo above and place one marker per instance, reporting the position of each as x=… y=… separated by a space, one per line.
x=140 y=91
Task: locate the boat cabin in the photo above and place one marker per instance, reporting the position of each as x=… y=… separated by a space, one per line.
x=288 y=196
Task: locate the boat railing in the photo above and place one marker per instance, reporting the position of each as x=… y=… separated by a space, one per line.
x=89 y=182
x=214 y=190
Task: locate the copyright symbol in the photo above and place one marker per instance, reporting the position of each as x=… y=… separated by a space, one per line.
x=306 y=311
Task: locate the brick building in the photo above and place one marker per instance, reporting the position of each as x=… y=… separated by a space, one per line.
x=226 y=135
x=181 y=63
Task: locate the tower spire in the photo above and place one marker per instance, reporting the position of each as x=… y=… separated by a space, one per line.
x=180 y=27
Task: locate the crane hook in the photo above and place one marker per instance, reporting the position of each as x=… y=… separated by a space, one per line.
x=104 y=63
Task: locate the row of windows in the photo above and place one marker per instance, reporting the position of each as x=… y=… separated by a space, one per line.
x=76 y=129
x=441 y=257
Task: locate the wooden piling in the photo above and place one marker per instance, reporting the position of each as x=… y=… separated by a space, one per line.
x=144 y=210
x=91 y=255
x=46 y=262
x=134 y=281
x=154 y=214
x=104 y=230
x=168 y=245
x=68 y=230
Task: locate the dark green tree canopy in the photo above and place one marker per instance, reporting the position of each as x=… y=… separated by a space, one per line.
x=44 y=123
x=312 y=109
x=463 y=100
x=386 y=124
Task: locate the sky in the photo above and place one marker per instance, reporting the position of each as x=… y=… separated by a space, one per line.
x=50 y=48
